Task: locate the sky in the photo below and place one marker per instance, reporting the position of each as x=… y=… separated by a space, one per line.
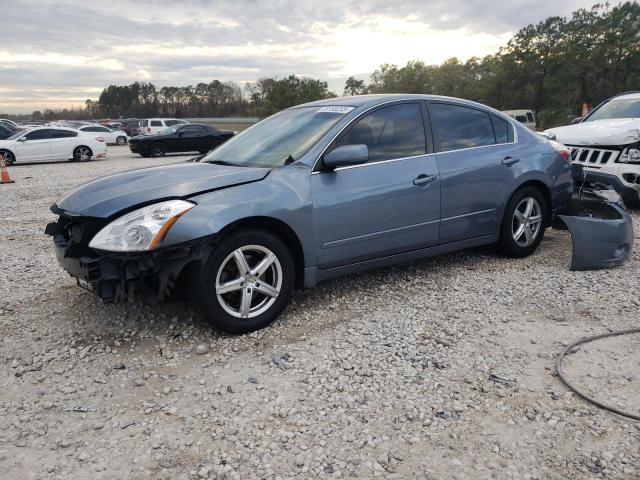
x=57 y=54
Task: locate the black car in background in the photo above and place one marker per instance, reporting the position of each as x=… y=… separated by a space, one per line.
x=131 y=126
x=191 y=137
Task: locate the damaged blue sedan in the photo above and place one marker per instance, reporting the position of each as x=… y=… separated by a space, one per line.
x=316 y=191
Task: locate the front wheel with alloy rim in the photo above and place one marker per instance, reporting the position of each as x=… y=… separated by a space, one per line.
x=9 y=159
x=121 y=140
x=82 y=154
x=524 y=222
x=247 y=281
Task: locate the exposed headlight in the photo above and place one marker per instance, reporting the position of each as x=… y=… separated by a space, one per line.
x=141 y=229
x=630 y=155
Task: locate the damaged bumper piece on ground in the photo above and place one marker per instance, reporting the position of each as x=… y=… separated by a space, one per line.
x=600 y=227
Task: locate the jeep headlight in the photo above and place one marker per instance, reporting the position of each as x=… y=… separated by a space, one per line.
x=142 y=229
x=630 y=154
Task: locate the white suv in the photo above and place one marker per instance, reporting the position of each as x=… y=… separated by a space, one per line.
x=154 y=126
x=607 y=144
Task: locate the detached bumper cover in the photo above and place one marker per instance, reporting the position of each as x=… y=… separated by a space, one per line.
x=601 y=230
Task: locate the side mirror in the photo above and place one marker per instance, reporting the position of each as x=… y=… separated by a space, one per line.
x=577 y=120
x=181 y=134
x=346 y=155
x=22 y=139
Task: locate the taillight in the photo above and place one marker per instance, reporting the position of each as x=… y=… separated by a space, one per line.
x=100 y=139
x=562 y=150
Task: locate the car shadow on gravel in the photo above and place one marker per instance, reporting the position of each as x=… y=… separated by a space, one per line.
x=311 y=312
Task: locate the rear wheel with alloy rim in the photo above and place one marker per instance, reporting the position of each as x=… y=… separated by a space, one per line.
x=524 y=222
x=247 y=281
x=82 y=154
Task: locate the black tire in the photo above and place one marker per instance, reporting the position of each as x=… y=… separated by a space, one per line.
x=145 y=155
x=205 y=278
x=158 y=150
x=82 y=153
x=508 y=245
x=121 y=140
x=9 y=158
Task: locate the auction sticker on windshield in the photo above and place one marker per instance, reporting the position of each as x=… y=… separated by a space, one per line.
x=335 y=109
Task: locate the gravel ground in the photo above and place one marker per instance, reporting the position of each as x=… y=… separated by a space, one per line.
x=438 y=369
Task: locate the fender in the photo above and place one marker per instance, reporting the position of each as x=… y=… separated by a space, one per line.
x=217 y=210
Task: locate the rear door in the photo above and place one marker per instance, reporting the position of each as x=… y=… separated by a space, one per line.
x=37 y=146
x=476 y=158
x=62 y=143
x=156 y=126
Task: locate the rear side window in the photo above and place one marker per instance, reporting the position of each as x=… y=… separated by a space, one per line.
x=38 y=134
x=63 y=134
x=391 y=132
x=456 y=127
x=501 y=129
x=156 y=123
x=170 y=123
x=521 y=118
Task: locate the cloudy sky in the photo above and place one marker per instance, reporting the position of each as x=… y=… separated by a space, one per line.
x=57 y=53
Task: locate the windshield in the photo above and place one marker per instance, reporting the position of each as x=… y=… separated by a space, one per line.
x=280 y=139
x=629 y=108
x=18 y=134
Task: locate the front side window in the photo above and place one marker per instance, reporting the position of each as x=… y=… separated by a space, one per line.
x=456 y=127
x=38 y=135
x=390 y=132
x=623 y=108
x=63 y=134
x=280 y=139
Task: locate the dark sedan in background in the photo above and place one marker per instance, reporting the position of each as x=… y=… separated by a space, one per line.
x=191 y=137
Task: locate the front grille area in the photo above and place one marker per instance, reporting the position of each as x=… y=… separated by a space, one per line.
x=73 y=235
x=593 y=156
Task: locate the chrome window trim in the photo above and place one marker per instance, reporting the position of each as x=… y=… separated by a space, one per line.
x=508 y=119
x=372 y=163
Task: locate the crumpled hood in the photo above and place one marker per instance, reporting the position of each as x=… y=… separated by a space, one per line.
x=619 y=131
x=109 y=195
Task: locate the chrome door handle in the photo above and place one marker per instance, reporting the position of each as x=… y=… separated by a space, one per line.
x=508 y=161
x=423 y=179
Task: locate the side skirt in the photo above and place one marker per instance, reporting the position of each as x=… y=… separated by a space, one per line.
x=314 y=275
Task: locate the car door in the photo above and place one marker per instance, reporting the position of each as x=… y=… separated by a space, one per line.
x=36 y=145
x=476 y=158
x=388 y=205
x=62 y=143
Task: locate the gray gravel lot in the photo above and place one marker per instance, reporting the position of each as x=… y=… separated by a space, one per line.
x=386 y=374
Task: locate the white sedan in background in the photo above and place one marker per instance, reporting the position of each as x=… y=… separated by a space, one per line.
x=52 y=143
x=111 y=137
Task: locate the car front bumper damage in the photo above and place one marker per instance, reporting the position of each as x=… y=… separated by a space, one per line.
x=119 y=277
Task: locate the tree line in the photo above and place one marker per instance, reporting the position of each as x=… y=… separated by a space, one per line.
x=551 y=67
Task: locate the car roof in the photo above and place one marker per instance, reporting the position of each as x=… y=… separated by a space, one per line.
x=627 y=96
x=373 y=100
